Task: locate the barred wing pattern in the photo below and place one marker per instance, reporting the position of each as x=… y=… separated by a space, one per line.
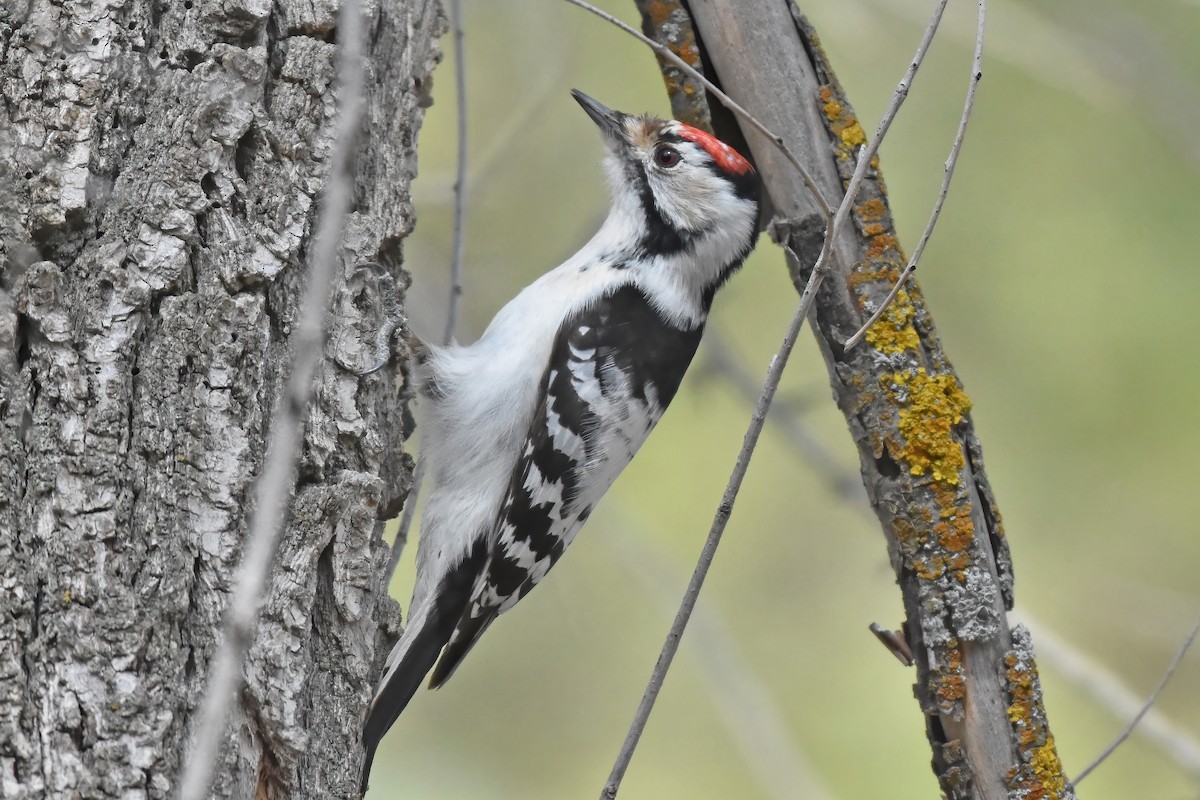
x=614 y=368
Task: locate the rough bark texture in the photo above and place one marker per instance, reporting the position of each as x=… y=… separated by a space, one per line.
x=159 y=170
x=921 y=462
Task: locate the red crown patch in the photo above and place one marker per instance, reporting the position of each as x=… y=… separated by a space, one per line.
x=725 y=156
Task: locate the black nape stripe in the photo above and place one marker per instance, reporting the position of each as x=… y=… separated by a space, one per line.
x=746 y=186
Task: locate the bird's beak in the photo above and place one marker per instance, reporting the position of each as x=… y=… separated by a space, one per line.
x=611 y=123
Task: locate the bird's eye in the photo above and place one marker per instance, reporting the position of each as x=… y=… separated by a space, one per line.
x=666 y=156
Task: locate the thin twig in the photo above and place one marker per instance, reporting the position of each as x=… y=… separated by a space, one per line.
x=866 y=155
x=1109 y=692
x=901 y=93
x=275 y=485
x=951 y=161
x=1150 y=701
x=787 y=416
x=406 y=521
x=460 y=178
x=456 y=263
x=741 y=696
x=724 y=510
x=725 y=99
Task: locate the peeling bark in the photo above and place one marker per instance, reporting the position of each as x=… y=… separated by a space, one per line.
x=159 y=171
x=922 y=465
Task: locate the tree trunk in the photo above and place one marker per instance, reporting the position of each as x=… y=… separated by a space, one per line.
x=159 y=171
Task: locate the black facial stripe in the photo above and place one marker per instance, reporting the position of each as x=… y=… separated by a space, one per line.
x=661 y=237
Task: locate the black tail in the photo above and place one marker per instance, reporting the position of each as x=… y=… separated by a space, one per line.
x=394 y=695
x=401 y=684
x=467 y=633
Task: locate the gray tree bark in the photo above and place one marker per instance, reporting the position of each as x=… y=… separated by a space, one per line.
x=159 y=170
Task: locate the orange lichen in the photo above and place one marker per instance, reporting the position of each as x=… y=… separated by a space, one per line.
x=948 y=681
x=904 y=531
x=956 y=534
x=952 y=688
x=929 y=569
x=659 y=10
x=861 y=277
x=883 y=246
x=947 y=500
x=872 y=210
x=930 y=407
x=688 y=51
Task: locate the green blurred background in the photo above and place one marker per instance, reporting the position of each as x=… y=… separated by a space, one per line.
x=1063 y=278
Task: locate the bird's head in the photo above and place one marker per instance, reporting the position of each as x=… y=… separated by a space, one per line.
x=683 y=188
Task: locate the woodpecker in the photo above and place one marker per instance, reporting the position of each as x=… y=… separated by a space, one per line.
x=529 y=427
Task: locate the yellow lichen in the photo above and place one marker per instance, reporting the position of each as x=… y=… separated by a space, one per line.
x=842 y=121
x=853 y=135
x=931 y=405
x=893 y=332
x=1043 y=778
x=830 y=104
x=1048 y=768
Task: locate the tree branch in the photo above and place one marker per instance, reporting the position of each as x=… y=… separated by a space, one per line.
x=865 y=156
x=921 y=463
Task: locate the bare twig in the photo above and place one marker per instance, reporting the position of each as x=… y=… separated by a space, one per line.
x=725 y=99
x=866 y=155
x=1145 y=709
x=787 y=417
x=460 y=178
x=724 y=510
x=279 y=469
x=741 y=696
x=406 y=521
x=951 y=161
x=456 y=263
